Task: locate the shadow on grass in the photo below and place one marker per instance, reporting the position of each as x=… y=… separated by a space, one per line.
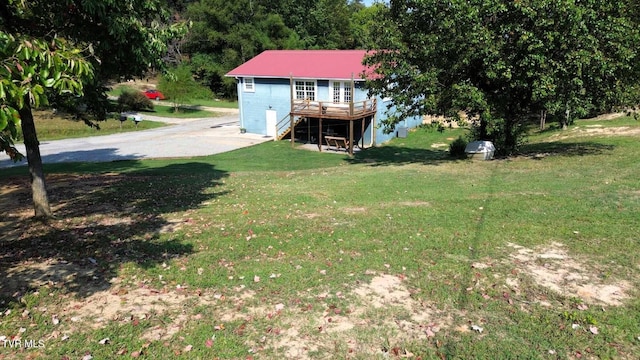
x=540 y=150
x=103 y=221
x=398 y=155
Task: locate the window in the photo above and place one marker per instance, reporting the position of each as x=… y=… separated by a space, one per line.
x=341 y=91
x=347 y=92
x=305 y=90
x=336 y=91
x=249 y=85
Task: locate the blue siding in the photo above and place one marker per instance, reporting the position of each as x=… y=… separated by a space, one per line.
x=275 y=94
x=271 y=94
x=381 y=137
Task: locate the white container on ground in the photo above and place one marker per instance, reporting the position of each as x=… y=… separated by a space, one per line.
x=480 y=150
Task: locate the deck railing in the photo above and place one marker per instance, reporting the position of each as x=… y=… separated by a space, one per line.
x=332 y=109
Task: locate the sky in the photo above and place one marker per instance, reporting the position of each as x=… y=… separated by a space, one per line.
x=368 y=2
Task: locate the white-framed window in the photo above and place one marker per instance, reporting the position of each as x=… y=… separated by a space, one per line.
x=346 y=92
x=341 y=91
x=305 y=90
x=249 y=85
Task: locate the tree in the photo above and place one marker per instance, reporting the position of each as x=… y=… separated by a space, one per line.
x=179 y=85
x=30 y=67
x=227 y=33
x=54 y=51
x=501 y=61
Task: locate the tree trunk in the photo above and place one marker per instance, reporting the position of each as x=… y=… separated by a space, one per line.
x=38 y=185
x=565 y=123
x=543 y=119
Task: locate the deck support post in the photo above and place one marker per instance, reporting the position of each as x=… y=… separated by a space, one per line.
x=291 y=110
x=320 y=135
x=293 y=131
x=362 y=121
x=351 y=137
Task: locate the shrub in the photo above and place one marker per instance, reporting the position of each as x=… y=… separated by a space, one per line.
x=456 y=148
x=134 y=101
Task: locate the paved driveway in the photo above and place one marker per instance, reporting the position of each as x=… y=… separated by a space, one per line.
x=184 y=138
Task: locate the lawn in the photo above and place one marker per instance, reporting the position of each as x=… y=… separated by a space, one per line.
x=270 y=252
x=182 y=113
x=54 y=127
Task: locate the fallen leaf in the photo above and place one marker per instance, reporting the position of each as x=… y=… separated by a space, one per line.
x=122 y=352
x=323 y=272
x=594 y=330
x=187 y=348
x=582 y=307
x=575 y=326
x=136 y=354
x=256 y=278
x=104 y=341
x=429 y=332
x=476 y=328
x=279 y=307
x=208 y=343
x=87 y=357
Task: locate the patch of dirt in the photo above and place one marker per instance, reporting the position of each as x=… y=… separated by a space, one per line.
x=385 y=295
x=49 y=272
x=591 y=130
x=552 y=267
x=415 y=203
x=354 y=210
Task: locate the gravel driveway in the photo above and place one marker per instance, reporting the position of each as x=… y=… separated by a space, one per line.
x=184 y=138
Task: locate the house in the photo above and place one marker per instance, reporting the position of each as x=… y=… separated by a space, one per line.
x=315 y=96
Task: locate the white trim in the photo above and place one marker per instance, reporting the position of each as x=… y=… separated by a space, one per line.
x=342 y=91
x=248 y=84
x=287 y=78
x=306 y=90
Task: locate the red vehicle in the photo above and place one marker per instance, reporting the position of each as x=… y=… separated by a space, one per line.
x=153 y=94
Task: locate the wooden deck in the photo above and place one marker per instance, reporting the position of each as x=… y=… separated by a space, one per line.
x=331 y=110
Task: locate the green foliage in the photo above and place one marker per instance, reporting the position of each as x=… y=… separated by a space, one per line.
x=227 y=33
x=502 y=61
x=134 y=101
x=457 y=147
x=179 y=85
x=30 y=70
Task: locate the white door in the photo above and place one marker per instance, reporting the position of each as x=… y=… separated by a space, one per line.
x=272 y=120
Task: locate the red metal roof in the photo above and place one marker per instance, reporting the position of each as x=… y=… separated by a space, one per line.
x=304 y=64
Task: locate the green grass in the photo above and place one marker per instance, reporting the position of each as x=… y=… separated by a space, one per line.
x=183 y=112
x=217 y=103
x=314 y=227
x=56 y=128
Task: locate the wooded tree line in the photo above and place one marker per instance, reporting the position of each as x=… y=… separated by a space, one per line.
x=224 y=34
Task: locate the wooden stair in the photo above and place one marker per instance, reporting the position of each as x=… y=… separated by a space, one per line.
x=283 y=127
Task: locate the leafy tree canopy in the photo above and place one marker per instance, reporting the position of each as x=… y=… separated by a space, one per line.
x=180 y=87
x=500 y=61
x=57 y=51
x=227 y=33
